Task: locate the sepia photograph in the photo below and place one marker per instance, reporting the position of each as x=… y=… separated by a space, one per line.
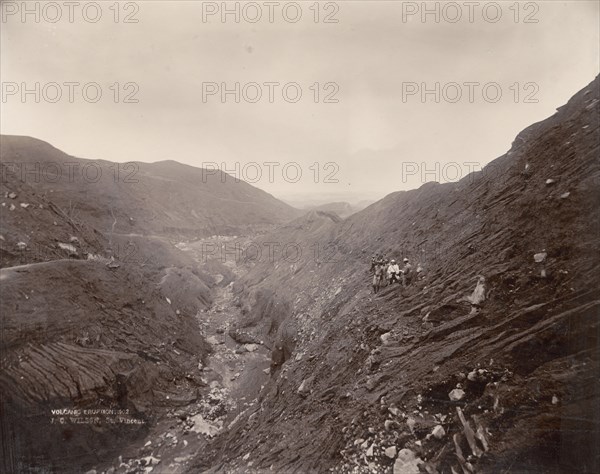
x=300 y=237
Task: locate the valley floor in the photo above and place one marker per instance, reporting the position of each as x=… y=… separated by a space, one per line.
x=232 y=377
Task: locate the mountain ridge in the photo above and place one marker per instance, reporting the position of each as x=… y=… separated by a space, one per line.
x=165 y=198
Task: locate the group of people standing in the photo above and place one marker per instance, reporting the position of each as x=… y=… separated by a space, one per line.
x=387 y=272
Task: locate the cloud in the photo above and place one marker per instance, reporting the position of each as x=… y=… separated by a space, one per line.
x=362 y=61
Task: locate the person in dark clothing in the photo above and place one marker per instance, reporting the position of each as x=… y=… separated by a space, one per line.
x=378 y=277
x=373 y=263
x=407 y=273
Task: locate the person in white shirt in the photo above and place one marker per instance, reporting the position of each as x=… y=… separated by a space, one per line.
x=393 y=272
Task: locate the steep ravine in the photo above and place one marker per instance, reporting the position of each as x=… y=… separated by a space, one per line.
x=487 y=363
x=231 y=378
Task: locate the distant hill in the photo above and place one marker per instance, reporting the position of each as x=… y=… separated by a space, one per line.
x=342 y=209
x=324 y=201
x=163 y=198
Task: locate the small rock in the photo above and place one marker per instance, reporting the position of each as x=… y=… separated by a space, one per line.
x=68 y=247
x=565 y=195
x=150 y=461
x=303 y=389
x=267 y=371
x=25 y=205
x=439 y=432
x=251 y=347
x=540 y=257
x=554 y=400
x=391 y=452
x=390 y=424
x=168 y=300
x=12 y=195
x=370 y=451
x=385 y=338
x=478 y=295
x=550 y=181
x=21 y=245
x=12 y=207
x=456 y=394
x=394 y=411
x=202 y=426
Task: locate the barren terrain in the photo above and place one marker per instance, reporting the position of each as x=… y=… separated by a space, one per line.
x=207 y=360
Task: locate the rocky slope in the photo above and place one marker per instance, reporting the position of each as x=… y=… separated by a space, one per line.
x=99 y=331
x=164 y=198
x=487 y=363
x=35 y=229
x=79 y=334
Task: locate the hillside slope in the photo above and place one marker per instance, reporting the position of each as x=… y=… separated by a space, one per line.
x=89 y=320
x=166 y=198
x=358 y=378
x=34 y=229
x=81 y=335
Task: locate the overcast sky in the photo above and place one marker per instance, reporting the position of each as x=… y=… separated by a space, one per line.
x=374 y=61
